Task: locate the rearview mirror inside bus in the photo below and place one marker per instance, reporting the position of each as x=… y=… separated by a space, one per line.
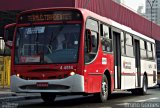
x=88 y=40
x=8 y=34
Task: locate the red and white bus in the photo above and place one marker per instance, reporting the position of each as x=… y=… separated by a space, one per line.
x=75 y=51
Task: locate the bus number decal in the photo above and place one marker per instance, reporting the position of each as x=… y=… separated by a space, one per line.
x=66 y=67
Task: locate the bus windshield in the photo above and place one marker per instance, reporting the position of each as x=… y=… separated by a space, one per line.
x=56 y=43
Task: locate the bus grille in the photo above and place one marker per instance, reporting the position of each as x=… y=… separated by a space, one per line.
x=50 y=87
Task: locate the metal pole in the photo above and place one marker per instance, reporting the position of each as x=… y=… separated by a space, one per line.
x=151 y=20
x=151 y=5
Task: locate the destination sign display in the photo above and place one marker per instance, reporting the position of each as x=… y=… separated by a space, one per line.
x=49 y=16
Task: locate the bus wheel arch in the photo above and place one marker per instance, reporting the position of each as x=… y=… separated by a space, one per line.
x=144 y=85
x=104 y=93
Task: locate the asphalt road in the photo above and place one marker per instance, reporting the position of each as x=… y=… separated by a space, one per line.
x=117 y=100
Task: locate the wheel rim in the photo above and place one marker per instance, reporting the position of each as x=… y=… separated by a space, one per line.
x=104 y=89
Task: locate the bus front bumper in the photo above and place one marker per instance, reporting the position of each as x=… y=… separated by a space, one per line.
x=70 y=84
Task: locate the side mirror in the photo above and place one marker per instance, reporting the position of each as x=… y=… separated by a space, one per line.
x=4 y=50
x=8 y=34
x=89 y=40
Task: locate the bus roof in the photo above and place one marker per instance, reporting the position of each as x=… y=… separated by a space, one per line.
x=129 y=30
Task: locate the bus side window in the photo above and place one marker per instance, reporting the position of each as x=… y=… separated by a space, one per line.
x=106 y=38
x=143 y=49
x=123 y=44
x=92 y=25
x=149 y=51
x=153 y=51
x=129 y=45
x=94 y=42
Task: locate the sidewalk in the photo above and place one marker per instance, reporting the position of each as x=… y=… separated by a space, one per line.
x=7 y=95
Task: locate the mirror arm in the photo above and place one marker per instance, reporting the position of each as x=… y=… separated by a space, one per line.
x=89 y=40
x=8 y=34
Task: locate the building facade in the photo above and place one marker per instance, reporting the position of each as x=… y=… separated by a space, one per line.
x=153 y=11
x=153 y=14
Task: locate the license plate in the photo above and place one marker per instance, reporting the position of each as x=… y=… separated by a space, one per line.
x=42 y=84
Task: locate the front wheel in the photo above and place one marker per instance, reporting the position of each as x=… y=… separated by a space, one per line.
x=103 y=95
x=48 y=97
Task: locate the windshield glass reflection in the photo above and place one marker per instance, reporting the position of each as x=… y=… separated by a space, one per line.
x=47 y=44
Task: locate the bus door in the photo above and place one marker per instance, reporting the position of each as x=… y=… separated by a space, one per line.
x=137 y=62
x=117 y=58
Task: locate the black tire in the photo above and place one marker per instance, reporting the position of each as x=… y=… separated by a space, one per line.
x=143 y=90
x=103 y=95
x=48 y=97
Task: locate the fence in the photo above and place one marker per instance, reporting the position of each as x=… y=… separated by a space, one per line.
x=5 y=62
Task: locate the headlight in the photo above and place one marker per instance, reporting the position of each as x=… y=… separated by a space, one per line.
x=17 y=75
x=72 y=73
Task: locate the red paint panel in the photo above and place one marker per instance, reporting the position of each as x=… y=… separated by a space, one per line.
x=30 y=4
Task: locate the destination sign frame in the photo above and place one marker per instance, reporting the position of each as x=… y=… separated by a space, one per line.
x=47 y=16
